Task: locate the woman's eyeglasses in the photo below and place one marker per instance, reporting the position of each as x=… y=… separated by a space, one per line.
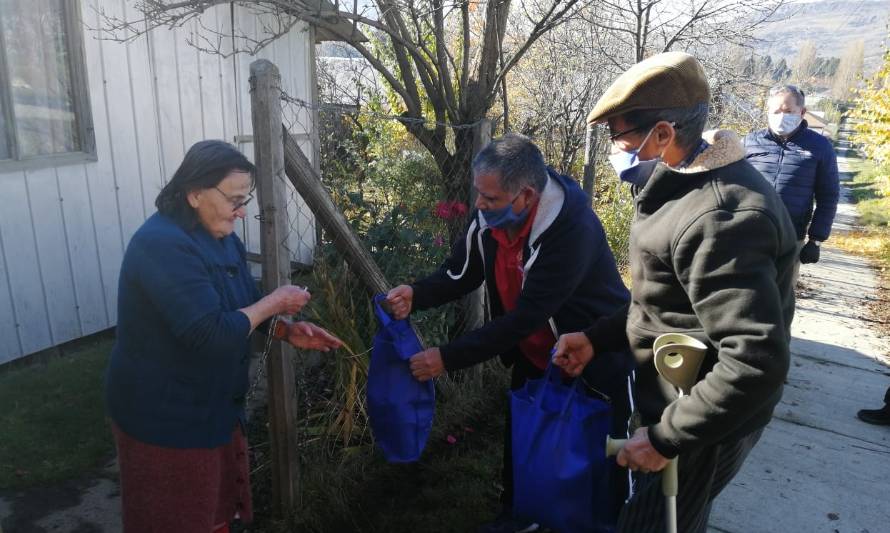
x=237 y=202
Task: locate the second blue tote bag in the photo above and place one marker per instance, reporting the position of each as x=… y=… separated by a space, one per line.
x=560 y=469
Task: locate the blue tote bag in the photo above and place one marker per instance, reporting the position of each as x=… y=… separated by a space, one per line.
x=560 y=469
x=400 y=408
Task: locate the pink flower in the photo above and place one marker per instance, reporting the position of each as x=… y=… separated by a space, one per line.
x=451 y=439
x=450 y=210
x=442 y=210
x=439 y=240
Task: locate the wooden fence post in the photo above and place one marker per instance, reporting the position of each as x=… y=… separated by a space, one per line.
x=265 y=99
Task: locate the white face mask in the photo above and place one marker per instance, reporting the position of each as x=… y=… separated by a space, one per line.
x=784 y=123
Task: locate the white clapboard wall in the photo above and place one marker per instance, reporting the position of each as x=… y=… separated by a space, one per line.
x=63 y=230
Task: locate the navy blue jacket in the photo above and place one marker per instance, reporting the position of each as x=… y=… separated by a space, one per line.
x=801 y=169
x=178 y=370
x=569 y=277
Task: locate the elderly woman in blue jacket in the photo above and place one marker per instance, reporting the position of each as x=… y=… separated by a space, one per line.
x=178 y=376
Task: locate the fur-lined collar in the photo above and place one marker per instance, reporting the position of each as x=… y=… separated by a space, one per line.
x=725 y=148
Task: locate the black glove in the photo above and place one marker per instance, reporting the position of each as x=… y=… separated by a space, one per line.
x=809 y=253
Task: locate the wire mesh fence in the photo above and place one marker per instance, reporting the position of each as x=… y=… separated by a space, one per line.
x=353 y=177
x=391 y=195
x=398 y=202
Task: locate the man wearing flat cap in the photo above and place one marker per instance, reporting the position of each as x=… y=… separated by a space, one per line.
x=712 y=252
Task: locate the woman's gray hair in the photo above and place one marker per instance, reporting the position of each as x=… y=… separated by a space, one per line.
x=689 y=122
x=799 y=96
x=516 y=161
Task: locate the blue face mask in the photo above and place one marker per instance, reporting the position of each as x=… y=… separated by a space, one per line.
x=630 y=168
x=505 y=217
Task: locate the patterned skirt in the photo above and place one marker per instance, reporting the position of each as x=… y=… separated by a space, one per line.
x=192 y=490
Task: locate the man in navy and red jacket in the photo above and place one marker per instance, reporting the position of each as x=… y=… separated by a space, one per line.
x=542 y=253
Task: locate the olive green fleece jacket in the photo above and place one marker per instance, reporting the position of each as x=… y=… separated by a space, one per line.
x=712 y=251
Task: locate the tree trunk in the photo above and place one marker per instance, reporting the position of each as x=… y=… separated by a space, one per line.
x=457 y=178
x=473 y=304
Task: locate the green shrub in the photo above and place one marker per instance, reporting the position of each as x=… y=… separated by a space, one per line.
x=834 y=110
x=615 y=209
x=871 y=189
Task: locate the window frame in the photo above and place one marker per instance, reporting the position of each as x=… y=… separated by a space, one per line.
x=83 y=115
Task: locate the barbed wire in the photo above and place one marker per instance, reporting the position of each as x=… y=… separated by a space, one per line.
x=400 y=118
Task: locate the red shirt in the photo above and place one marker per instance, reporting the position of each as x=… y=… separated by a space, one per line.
x=508 y=275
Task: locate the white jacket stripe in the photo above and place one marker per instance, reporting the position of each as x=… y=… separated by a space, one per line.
x=467 y=253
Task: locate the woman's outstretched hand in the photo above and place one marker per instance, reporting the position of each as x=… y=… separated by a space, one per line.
x=308 y=336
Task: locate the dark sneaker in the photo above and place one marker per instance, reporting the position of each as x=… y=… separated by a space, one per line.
x=879 y=417
x=506 y=523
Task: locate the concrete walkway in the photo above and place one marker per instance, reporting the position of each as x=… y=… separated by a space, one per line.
x=817 y=468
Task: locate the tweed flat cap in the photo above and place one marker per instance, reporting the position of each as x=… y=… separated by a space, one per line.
x=663 y=81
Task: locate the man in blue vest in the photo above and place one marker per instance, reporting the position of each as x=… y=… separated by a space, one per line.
x=800 y=164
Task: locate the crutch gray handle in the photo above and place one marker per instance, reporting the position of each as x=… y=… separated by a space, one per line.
x=613 y=446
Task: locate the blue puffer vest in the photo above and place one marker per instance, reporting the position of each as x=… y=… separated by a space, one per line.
x=802 y=169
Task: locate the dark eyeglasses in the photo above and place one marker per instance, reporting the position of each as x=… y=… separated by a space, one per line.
x=237 y=202
x=614 y=137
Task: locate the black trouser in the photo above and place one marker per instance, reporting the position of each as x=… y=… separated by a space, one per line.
x=702 y=475
x=608 y=378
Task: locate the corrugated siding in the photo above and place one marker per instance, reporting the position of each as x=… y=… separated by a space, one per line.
x=63 y=230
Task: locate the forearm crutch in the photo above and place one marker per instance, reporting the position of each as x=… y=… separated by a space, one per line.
x=678 y=359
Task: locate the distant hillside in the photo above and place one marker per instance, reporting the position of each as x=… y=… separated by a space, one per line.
x=832 y=25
